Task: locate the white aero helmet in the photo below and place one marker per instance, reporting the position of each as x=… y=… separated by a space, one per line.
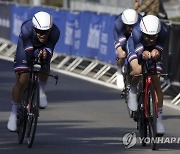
x=150 y=25
x=42 y=21
x=129 y=16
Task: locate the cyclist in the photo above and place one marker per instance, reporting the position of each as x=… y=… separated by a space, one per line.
x=147 y=42
x=123 y=25
x=37 y=39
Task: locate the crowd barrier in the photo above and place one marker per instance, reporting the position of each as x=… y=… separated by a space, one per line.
x=89 y=35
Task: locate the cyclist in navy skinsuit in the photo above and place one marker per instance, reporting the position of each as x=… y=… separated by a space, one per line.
x=37 y=39
x=147 y=42
x=123 y=25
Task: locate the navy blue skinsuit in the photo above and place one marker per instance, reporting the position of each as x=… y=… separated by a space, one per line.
x=136 y=46
x=120 y=35
x=28 y=43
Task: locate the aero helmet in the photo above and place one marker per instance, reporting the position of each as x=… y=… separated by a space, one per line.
x=42 y=21
x=150 y=25
x=129 y=16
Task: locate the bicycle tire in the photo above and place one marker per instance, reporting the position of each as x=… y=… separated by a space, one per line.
x=127 y=87
x=33 y=114
x=141 y=119
x=22 y=117
x=21 y=123
x=152 y=116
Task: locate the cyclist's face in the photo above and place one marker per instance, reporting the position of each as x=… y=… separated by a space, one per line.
x=42 y=35
x=150 y=39
x=128 y=28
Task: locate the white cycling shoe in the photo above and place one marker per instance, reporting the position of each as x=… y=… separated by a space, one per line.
x=120 y=80
x=12 y=122
x=160 y=128
x=132 y=101
x=43 y=100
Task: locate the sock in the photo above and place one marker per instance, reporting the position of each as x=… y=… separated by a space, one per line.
x=119 y=70
x=42 y=86
x=159 y=115
x=133 y=89
x=14 y=107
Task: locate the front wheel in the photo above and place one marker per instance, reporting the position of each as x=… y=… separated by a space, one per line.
x=140 y=115
x=21 y=123
x=152 y=116
x=33 y=114
x=22 y=117
x=141 y=120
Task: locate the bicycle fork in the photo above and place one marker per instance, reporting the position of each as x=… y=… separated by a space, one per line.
x=148 y=83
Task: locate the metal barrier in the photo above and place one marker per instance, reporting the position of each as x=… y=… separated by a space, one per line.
x=84 y=68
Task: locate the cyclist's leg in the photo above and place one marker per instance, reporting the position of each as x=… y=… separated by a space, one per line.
x=17 y=91
x=157 y=87
x=42 y=85
x=136 y=69
x=121 y=54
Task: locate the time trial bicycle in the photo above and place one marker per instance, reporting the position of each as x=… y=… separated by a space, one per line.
x=147 y=111
x=28 y=111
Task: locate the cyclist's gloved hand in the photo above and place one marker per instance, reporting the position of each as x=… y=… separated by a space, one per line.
x=38 y=55
x=42 y=55
x=146 y=55
x=155 y=54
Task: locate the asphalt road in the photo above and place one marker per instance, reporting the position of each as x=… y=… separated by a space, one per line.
x=81 y=118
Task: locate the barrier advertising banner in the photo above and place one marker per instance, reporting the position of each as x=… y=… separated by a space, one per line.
x=88 y=34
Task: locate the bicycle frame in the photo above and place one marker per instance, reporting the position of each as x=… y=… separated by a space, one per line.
x=148 y=82
x=148 y=105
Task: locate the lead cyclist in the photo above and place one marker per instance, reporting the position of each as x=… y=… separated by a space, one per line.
x=147 y=42
x=37 y=39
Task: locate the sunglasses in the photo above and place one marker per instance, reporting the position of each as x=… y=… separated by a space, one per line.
x=42 y=32
x=150 y=36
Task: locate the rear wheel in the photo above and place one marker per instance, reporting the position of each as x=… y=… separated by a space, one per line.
x=33 y=114
x=127 y=87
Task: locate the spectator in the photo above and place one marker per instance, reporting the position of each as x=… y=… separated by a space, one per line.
x=153 y=7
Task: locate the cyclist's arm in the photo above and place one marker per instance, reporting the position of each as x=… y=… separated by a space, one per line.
x=137 y=36
x=161 y=40
x=25 y=34
x=53 y=39
x=119 y=37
